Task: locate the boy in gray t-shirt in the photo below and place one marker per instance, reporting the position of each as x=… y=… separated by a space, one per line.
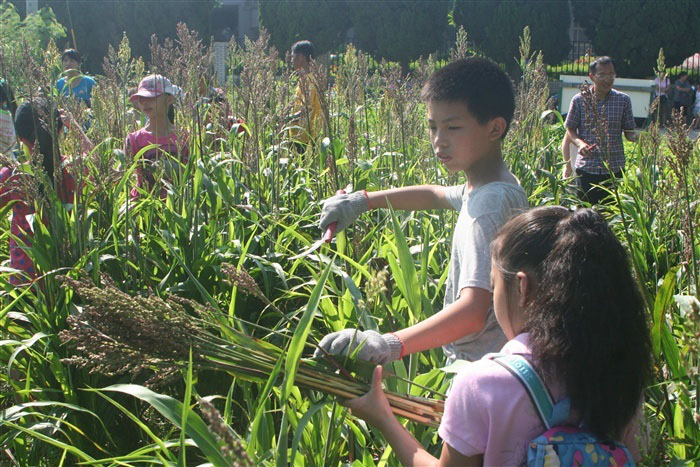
x=470 y=104
x=482 y=211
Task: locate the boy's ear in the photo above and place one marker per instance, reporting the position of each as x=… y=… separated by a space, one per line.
x=498 y=127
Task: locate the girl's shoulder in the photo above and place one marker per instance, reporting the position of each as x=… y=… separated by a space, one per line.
x=487 y=372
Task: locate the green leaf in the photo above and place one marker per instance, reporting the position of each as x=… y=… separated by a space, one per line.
x=294 y=351
x=172 y=410
x=49 y=440
x=182 y=460
x=664 y=296
x=679 y=431
x=408 y=269
x=300 y=428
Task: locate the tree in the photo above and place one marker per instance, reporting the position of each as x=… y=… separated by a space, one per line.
x=399 y=30
x=632 y=31
x=97 y=24
x=17 y=36
x=495 y=27
x=323 y=22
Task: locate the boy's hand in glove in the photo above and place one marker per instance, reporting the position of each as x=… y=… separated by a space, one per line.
x=342 y=209
x=376 y=348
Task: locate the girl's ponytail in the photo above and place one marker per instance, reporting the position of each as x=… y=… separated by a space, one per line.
x=587 y=323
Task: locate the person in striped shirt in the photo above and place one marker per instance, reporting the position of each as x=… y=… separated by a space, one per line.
x=595 y=125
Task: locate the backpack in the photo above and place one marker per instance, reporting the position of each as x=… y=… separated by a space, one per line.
x=560 y=445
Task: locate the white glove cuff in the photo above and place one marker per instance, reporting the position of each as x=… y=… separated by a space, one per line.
x=395 y=346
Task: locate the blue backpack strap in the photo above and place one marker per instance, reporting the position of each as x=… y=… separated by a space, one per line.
x=550 y=413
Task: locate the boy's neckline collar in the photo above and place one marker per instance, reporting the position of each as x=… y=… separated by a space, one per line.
x=498 y=172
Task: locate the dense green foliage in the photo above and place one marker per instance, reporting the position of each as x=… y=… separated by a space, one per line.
x=416 y=28
x=323 y=22
x=495 y=26
x=29 y=35
x=630 y=31
x=250 y=200
x=96 y=25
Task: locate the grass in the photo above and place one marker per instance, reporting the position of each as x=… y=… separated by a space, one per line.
x=250 y=200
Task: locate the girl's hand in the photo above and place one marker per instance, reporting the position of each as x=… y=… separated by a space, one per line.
x=373 y=407
x=67 y=119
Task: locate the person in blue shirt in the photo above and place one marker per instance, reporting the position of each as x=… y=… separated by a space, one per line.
x=74 y=83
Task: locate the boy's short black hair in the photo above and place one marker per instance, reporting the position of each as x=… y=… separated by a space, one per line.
x=72 y=54
x=604 y=60
x=305 y=48
x=478 y=83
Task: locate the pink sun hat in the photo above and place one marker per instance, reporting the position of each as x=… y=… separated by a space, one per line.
x=154 y=86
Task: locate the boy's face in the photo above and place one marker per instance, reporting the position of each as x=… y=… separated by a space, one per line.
x=299 y=61
x=458 y=139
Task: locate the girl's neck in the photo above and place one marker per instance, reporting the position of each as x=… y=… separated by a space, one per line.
x=159 y=127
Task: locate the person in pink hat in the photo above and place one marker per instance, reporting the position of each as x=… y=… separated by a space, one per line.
x=155 y=97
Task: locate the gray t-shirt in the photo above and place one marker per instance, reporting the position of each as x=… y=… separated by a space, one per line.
x=481 y=213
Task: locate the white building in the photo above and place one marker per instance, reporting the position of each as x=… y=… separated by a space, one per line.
x=235 y=18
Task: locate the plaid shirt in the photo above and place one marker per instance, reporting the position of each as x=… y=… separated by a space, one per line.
x=617 y=107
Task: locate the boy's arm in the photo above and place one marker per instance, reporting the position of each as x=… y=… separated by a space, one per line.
x=72 y=125
x=410 y=198
x=342 y=209
x=464 y=316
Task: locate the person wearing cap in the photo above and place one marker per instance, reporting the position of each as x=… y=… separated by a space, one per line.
x=74 y=83
x=155 y=96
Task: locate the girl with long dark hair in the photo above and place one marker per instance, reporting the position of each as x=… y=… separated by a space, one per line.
x=566 y=299
x=38 y=126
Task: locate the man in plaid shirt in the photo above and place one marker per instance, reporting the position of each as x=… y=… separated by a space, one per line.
x=586 y=120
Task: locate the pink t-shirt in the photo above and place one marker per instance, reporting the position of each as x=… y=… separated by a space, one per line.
x=145 y=171
x=10 y=190
x=489 y=412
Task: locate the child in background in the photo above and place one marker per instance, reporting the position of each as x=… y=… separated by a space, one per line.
x=38 y=127
x=155 y=97
x=306 y=119
x=74 y=83
x=7 y=116
x=567 y=301
x=470 y=105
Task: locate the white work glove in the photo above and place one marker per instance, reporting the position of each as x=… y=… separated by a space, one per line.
x=377 y=348
x=343 y=210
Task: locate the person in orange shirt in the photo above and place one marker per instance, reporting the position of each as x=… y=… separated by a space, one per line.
x=305 y=122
